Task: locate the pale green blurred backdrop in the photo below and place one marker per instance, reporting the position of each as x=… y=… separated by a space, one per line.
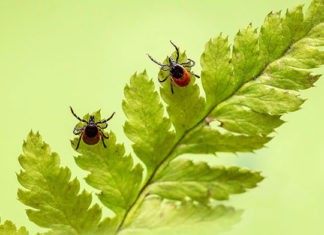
x=81 y=53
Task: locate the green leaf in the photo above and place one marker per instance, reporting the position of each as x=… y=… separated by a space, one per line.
x=255 y=107
x=246 y=60
x=240 y=119
x=184 y=179
x=314 y=14
x=106 y=227
x=112 y=172
x=273 y=38
x=217 y=71
x=49 y=190
x=58 y=232
x=205 y=139
x=160 y=217
x=8 y=228
x=106 y=166
x=146 y=125
x=266 y=99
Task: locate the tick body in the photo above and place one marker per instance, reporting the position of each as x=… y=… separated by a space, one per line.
x=91 y=135
x=91 y=132
x=178 y=72
x=180 y=76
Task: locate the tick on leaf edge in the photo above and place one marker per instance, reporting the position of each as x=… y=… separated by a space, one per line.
x=178 y=72
x=91 y=132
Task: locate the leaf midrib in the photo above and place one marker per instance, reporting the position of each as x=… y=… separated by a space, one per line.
x=207 y=113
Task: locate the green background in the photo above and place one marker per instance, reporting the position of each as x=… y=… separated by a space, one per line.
x=81 y=53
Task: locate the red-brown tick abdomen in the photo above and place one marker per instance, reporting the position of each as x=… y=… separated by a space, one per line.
x=91 y=140
x=184 y=80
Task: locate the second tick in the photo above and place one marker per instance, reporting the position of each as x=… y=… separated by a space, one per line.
x=178 y=72
x=91 y=131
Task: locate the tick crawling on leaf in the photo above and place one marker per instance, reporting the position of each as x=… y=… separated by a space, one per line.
x=179 y=74
x=91 y=131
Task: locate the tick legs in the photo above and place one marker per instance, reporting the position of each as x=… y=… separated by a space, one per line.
x=77 y=117
x=164 y=67
x=177 y=49
x=106 y=120
x=102 y=127
x=103 y=136
x=171 y=84
x=164 y=78
x=193 y=74
x=103 y=142
x=77 y=131
x=189 y=63
x=78 y=142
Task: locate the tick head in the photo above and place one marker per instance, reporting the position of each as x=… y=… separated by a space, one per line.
x=177 y=71
x=171 y=61
x=91 y=120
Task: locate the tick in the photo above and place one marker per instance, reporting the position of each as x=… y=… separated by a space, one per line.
x=178 y=72
x=91 y=131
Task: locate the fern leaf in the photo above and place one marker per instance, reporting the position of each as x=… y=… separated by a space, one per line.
x=112 y=172
x=184 y=179
x=146 y=126
x=205 y=139
x=161 y=217
x=106 y=227
x=8 y=228
x=259 y=91
x=217 y=70
x=55 y=199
